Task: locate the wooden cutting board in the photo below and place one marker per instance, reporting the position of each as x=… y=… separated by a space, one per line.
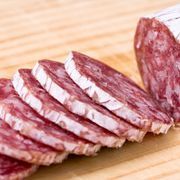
x=104 y=29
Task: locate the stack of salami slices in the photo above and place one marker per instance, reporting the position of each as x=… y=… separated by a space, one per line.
x=78 y=107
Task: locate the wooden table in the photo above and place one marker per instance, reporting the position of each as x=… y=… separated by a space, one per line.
x=104 y=29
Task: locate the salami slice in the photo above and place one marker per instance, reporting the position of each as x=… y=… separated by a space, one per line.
x=157 y=48
x=19 y=147
x=11 y=169
x=25 y=120
x=33 y=94
x=55 y=80
x=117 y=93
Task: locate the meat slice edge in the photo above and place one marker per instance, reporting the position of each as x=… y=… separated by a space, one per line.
x=11 y=169
x=14 y=145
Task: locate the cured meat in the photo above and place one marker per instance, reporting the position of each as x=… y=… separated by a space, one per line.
x=157 y=48
x=34 y=95
x=117 y=93
x=17 y=146
x=25 y=120
x=52 y=76
x=11 y=169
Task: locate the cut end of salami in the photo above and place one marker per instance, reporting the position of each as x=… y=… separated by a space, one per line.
x=11 y=169
x=116 y=92
x=52 y=76
x=24 y=119
x=34 y=95
x=157 y=48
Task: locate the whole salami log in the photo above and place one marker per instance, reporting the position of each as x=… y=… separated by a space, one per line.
x=117 y=93
x=11 y=169
x=52 y=76
x=34 y=95
x=19 y=147
x=157 y=48
x=24 y=119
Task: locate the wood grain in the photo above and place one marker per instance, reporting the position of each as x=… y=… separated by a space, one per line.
x=104 y=29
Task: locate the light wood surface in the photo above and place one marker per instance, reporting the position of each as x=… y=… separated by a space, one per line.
x=104 y=29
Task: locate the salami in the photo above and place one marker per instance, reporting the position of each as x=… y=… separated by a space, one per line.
x=11 y=169
x=157 y=48
x=117 y=93
x=52 y=76
x=33 y=94
x=19 y=147
x=25 y=120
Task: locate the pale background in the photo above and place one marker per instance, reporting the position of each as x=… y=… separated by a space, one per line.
x=104 y=29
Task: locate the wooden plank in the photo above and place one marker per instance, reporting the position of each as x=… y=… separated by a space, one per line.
x=104 y=29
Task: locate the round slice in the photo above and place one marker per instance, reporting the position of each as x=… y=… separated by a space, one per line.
x=11 y=169
x=117 y=93
x=19 y=147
